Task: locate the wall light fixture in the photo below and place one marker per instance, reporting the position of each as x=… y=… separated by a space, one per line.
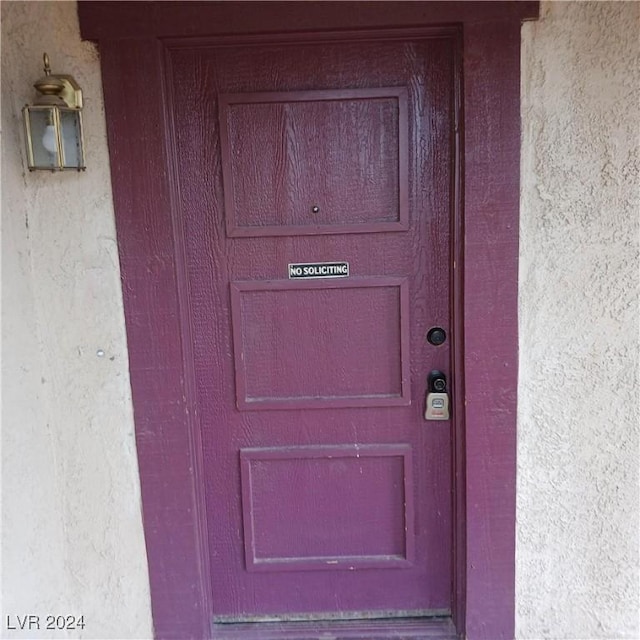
x=53 y=124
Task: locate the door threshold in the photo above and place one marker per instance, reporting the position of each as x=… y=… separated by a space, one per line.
x=391 y=628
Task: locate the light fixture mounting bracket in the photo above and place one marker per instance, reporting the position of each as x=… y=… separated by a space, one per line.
x=57 y=87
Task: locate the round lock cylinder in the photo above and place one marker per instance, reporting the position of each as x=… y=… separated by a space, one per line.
x=436 y=336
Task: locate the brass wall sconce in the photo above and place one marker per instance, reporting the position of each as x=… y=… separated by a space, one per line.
x=53 y=124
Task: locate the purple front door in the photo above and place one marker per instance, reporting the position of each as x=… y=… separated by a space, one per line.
x=328 y=494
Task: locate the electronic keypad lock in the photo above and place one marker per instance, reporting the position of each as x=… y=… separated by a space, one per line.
x=437 y=397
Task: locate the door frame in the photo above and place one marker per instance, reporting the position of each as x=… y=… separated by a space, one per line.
x=134 y=38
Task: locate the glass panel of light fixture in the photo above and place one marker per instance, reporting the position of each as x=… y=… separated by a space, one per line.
x=70 y=120
x=43 y=137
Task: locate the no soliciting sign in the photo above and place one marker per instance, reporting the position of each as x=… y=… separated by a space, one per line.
x=319 y=270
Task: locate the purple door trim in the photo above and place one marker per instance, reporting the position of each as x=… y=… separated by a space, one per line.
x=484 y=281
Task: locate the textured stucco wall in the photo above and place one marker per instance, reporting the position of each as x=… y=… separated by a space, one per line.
x=578 y=500
x=72 y=540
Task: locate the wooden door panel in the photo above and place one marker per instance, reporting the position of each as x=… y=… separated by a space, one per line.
x=290 y=525
x=269 y=140
x=295 y=377
x=361 y=324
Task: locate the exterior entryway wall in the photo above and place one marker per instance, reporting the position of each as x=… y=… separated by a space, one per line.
x=72 y=541
x=72 y=534
x=578 y=457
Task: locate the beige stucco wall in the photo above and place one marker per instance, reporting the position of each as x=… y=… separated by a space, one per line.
x=72 y=537
x=578 y=419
